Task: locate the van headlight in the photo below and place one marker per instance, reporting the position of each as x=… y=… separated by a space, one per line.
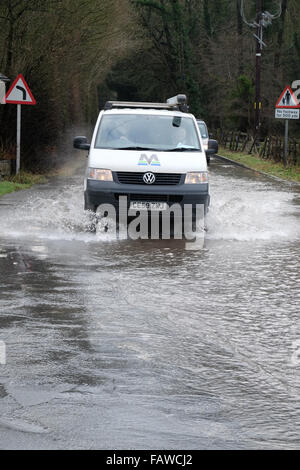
x=100 y=175
x=197 y=177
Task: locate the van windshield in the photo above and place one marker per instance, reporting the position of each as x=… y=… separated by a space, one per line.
x=147 y=132
x=203 y=130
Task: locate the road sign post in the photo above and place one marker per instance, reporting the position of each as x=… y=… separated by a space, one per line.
x=18 y=161
x=19 y=93
x=286 y=143
x=287 y=107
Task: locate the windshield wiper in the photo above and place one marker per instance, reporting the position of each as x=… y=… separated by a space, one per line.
x=184 y=149
x=135 y=148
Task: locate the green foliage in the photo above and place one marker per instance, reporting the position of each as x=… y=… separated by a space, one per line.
x=215 y=14
x=240 y=103
x=172 y=28
x=64 y=48
x=275 y=169
x=8 y=187
x=206 y=17
x=23 y=180
x=28 y=178
x=244 y=89
x=76 y=54
x=203 y=48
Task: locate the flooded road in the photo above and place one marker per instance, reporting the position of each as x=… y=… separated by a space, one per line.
x=142 y=344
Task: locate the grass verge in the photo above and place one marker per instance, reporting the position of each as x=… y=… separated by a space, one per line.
x=8 y=187
x=25 y=180
x=252 y=161
x=21 y=181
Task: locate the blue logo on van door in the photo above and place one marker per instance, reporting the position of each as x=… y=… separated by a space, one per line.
x=146 y=161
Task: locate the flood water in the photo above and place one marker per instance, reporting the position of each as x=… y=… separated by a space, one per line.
x=143 y=344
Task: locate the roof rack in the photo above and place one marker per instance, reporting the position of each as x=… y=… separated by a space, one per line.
x=132 y=104
x=176 y=103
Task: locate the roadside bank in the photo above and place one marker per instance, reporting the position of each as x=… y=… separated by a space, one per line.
x=21 y=181
x=252 y=162
x=25 y=180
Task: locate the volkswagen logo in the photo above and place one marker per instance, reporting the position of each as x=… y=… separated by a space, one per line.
x=149 y=178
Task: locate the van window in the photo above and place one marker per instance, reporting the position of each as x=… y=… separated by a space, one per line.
x=153 y=132
x=203 y=130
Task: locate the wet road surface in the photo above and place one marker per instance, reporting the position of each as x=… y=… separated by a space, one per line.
x=142 y=344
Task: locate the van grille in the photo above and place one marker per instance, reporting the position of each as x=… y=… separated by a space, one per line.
x=165 y=179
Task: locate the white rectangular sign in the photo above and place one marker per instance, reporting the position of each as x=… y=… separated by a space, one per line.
x=287 y=113
x=2 y=92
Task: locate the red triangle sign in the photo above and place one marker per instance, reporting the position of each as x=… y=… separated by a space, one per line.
x=287 y=100
x=19 y=93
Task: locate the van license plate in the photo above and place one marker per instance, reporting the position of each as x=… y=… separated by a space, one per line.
x=148 y=206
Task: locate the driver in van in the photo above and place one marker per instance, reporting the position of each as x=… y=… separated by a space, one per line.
x=181 y=137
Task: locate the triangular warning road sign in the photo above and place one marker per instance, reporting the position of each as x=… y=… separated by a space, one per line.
x=287 y=100
x=19 y=92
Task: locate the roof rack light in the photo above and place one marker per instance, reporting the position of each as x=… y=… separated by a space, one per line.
x=178 y=102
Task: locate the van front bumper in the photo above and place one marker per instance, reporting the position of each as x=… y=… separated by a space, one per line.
x=108 y=192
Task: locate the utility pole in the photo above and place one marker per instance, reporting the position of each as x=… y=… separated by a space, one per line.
x=262 y=20
x=259 y=48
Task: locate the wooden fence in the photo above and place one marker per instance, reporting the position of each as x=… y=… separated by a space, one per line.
x=271 y=148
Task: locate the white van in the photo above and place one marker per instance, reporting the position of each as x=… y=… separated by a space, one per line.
x=150 y=152
x=205 y=138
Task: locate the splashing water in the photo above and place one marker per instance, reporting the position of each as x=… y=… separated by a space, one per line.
x=241 y=209
x=201 y=346
x=245 y=210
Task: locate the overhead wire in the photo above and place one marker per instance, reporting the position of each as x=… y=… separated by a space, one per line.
x=279 y=13
x=251 y=25
x=254 y=24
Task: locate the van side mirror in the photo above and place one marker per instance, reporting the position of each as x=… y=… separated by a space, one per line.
x=81 y=143
x=213 y=147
